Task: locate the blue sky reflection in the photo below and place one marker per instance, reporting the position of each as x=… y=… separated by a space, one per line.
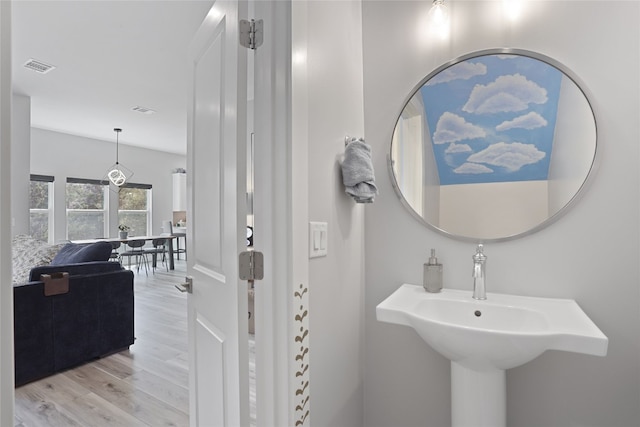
x=492 y=119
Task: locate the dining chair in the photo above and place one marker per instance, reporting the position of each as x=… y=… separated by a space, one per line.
x=167 y=227
x=159 y=248
x=115 y=255
x=137 y=252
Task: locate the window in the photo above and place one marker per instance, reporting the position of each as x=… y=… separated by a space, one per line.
x=86 y=209
x=134 y=208
x=40 y=207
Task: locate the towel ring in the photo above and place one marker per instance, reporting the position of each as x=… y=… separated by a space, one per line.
x=348 y=139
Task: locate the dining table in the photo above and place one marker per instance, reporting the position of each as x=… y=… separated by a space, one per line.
x=170 y=238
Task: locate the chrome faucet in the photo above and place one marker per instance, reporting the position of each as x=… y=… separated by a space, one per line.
x=479 y=273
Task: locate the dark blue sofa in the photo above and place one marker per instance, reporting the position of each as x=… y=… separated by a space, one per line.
x=92 y=319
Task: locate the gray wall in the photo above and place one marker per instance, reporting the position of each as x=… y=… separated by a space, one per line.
x=6 y=292
x=591 y=254
x=335 y=110
x=20 y=146
x=63 y=155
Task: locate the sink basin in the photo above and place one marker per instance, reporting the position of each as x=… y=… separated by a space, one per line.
x=484 y=338
x=503 y=331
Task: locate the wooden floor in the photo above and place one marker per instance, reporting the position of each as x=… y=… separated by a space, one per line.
x=146 y=385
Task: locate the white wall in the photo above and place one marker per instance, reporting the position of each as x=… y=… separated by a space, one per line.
x=63 y=155
x=500 y=209
x=431 y=177
x=408 y=159
x=20 y=146
x=574 y=142
x=334 y=110
x=591 y=254
x=6 y=292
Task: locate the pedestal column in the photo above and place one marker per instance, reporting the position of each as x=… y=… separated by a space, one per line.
x=478 y=398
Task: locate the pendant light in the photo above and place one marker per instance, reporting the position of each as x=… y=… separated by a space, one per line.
x=118 y=174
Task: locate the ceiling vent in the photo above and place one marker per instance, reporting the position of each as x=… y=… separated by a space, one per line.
x=143 y=110
x=37 y=66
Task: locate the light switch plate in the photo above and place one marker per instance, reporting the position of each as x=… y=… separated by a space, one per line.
x=318 y=238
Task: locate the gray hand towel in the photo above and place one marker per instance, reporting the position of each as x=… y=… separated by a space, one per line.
x=357 y=172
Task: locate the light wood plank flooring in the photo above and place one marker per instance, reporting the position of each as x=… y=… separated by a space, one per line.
x=146 y=385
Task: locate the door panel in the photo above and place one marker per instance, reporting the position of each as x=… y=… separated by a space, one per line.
x=208 y=156
x=210 y=373
x=216 y=220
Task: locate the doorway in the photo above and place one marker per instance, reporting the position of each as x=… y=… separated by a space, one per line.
x=275 y=387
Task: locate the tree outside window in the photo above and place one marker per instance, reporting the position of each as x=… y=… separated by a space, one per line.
x=134 y=208
x=40 y=205
x=86 y=209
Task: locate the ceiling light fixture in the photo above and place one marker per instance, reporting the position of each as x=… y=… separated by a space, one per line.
x=438 y=19
x=118 y=174
x=512 y=9
x=143 y=110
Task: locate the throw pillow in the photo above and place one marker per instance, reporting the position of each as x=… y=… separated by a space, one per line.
x=72 y=253
x=28 y=252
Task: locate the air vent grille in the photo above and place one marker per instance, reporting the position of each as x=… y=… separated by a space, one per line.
x=38 y=66
x=143 y=110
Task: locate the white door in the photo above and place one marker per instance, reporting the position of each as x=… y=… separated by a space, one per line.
x=216 y=222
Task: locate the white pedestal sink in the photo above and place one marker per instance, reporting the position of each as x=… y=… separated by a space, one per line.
x=484 y=338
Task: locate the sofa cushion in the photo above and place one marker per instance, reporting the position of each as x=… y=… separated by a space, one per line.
x=28 y=252
x=72 y=253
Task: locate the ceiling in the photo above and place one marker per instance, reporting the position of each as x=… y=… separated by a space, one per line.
x=110 y=56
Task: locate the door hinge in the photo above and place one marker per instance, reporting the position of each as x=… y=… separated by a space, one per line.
x=251 y=265
x=251 y=33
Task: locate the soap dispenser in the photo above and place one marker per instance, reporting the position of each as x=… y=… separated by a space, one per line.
x=432 y=280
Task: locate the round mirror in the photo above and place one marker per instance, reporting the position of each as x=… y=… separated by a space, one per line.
x=493 y=145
